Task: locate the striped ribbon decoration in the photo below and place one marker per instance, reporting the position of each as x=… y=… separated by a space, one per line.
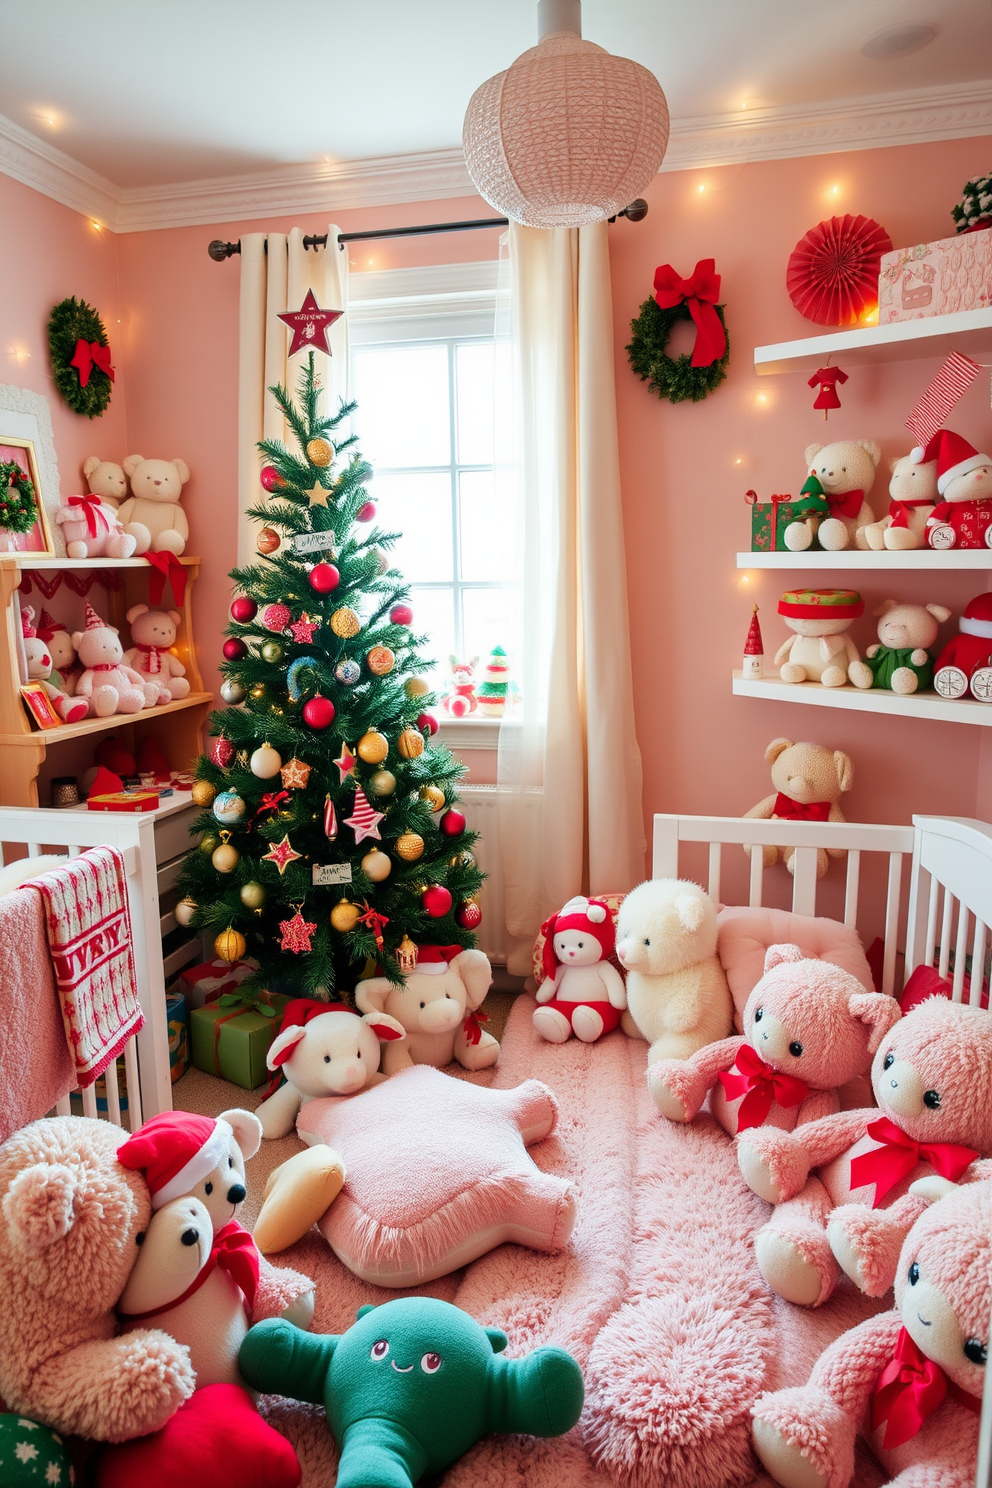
x=954 y=378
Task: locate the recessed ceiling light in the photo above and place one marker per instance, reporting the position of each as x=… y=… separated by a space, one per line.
x=893 y=42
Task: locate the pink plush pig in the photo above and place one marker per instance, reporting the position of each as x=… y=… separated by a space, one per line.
x=912 y=1378
x=932 y=1079
x=809 y=1027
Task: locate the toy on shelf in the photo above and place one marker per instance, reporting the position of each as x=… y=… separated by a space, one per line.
x=154 y=634
x=412 y=1385
x=809 y=780
x=58 y=639
x=912 y=498
x=436 y=1006
x=39 y=663
x=932 y=1081
x=581 y=992
x=460 y=699
x=106 y=480
x=821 y=650
x=754 y=649
x=107 y=683
x=152 y=513
x=911 y=1379
x=900 y=659
x=677 y=993
x=963 y=516
x=92 y=529
x=839 y=477
x=965 y=664
x=493 y=693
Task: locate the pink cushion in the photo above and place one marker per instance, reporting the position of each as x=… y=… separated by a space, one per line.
x=438 y=1173
x=744 y=935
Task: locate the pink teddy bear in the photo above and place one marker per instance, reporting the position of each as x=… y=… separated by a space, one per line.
x=109 y=685
x=932 y=1079
x=92 y=530
x=910 y=1379
x=581 y=992
x=809 y=1027
x=154 y=633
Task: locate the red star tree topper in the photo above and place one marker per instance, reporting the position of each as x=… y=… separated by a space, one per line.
x=310 y=325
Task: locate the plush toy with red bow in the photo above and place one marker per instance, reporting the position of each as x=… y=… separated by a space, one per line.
x=92 y=530
x=809 y=780
x=154 y=634
x=841 y=1184
x=911 y=1379
x=437 y=1006
x=841 y=475
x=581 y=992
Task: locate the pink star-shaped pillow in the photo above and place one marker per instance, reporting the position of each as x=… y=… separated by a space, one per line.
x=438 y=1174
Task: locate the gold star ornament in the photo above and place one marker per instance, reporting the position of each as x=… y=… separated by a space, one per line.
x=317 y=494
x=295 y=775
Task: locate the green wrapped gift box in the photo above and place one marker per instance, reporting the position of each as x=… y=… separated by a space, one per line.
x=231 y=1036
x=769 y=519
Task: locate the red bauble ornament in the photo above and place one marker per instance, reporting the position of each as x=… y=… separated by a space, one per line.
x=435 y=901
x=427 y=723
x=270 y=478
x=318 y=712
x=243 y=609
x=832 y=274
x=234 y=650
x=324 y=578
x=468 y=916
x=366 y=512
x=452 y=823
x=221 y=751
x=401 y=614
x=276 y=617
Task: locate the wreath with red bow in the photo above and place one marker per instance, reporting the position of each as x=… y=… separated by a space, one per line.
x=80 y=352
x=18 y=511
x=675 y=299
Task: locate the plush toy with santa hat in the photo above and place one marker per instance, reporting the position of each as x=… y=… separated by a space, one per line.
x=581 y=993
x=963 y=516
x=965 y=664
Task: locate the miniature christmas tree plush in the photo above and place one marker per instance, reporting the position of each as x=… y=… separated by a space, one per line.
x=492 y=691
x=330 y=832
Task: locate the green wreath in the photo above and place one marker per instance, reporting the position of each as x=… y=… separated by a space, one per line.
x=674 y=378
x=18 y=511
x=71 y=322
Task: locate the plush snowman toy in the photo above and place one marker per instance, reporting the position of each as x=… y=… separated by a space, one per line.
x=582 y=993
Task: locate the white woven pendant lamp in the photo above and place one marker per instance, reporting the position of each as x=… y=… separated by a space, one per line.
x=568 y=134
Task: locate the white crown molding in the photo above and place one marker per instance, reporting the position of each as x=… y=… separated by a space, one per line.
x=958 y=111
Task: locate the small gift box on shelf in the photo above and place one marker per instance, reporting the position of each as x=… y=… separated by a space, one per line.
x=769 y=520
x=175 y=1011
x=936 y=278
x=203 y=984
x=107 y=793
x=231 y=1036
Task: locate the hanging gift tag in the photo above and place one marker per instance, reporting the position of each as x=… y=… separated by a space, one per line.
x=981 y=684
x=942 y=536
x=313 y=542
x=951 y=682
x=327 y=874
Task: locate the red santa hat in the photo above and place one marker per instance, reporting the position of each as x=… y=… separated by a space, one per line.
x=177 y=1150
x=977 y=618
x=433 y=959
x=954 y=456
x=589 y=915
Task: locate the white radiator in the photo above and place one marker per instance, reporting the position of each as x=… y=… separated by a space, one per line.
x=480 y=803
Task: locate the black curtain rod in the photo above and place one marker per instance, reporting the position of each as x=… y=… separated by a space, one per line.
x=219 y=250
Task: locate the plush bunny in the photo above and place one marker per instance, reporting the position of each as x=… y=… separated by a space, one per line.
x=154 y=633
x=809 y=781
x=581 y=992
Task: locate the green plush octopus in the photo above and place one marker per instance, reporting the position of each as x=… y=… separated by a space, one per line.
x=412 y=1385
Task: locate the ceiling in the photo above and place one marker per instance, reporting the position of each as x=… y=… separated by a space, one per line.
x=149 y=92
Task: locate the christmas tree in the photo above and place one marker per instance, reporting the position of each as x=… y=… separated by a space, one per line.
x=330 y=832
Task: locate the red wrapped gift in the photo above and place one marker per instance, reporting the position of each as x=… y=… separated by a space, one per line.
x=204 y=984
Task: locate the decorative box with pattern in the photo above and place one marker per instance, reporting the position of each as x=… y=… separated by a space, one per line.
x=936 y=278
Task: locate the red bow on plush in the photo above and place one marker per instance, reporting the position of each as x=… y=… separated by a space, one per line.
x=473 y=1026
x=167 y=566
x=235 y=1252
x=909 y=1389
x=786 y=809
x=760 y=1084
x=90 y=354
x=899 y=1154
x=96 y=517
x=700 y=293
x=899 y=510
x=847 y=504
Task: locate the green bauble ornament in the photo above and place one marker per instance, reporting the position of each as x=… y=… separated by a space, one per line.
x=272 y=652
x=383 y=783
x=252 y=895
x=208 y=842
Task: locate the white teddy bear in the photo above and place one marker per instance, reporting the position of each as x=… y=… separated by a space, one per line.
x=913 y=496
x=106 y=480
x=435 y=1004
x=840 y=475
x=821 y=650
x=153 y=633
x=152 y=513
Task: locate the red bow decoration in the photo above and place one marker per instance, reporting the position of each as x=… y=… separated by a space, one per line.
x=153 y=657
x=90 y=354
x=899 y=510
x=167 y=566
x=235 y=1252
x=473 y=1026
x=760 y=1084
x=899 y=1155
x=700 y=293
x=786 y=809
x=847 y=504
x=909 y=1389
x=271 y=801
x=96 y=517
x=376 y=922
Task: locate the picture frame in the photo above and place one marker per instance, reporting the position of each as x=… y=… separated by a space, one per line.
x=25 y=415
x=39 y=705
x=21 y=452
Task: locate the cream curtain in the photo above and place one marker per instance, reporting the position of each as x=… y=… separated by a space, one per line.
x=569 y=764
x=276 y=272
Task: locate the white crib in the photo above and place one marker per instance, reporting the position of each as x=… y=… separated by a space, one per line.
x=146 y=1056
x=945 y=904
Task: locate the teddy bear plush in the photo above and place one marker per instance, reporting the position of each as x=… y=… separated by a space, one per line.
x=838 y=479
x=820 y=649
x=153 y=633
x=435 y=1006
x=321 y=1049
x=962 y=517
x=910 y=1379
x=107 y=683
x=932 y=1081
x=677 y=993
x=106 y=480
x=58 y=639
x=208 y=1297
x=912 y=498
x=152 y=514
x=92 y=529
x=809 y=1027
x=40 y=667
x=900 y=659
x=809 y=781
x=71 y=1217
x=581 y=992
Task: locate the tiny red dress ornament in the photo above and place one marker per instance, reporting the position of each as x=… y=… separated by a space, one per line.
x=365 y=512
x=324 y=578
x=318 y=712
x=276 y=617
x=270 y=478
x=827 y=379
x=234 y=650
x=427 y=723
x=832 y=274
x=468 y=916
x=401 y=614
x=452 y=823
x=436 y=901
x=221 y=751
x=243 y=609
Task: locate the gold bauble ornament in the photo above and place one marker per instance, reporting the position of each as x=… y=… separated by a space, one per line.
x=344 y=916
x=345 y=623
x=203 y=792
x=320 y=453
x=272 y=652
x=377 y=865
x=184 y=912
x=415 y=687
x=265 y=762
x=383 y=783
x=410 y=846
x=381 y=660
x=225 y=858
x=433 y=795
x=463 y=859
x=410 y=743
x=230 y=945
x=268 y=541
x=208 y=842
x=252 y=895
x=373 y=747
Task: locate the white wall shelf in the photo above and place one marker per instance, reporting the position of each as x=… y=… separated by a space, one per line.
x=872 y=700
x=969 y=331
x=856 y=561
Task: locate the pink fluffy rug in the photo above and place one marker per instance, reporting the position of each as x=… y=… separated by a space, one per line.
x=657 y=1295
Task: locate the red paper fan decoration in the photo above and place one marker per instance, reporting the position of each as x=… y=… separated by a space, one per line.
x=832 y=277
